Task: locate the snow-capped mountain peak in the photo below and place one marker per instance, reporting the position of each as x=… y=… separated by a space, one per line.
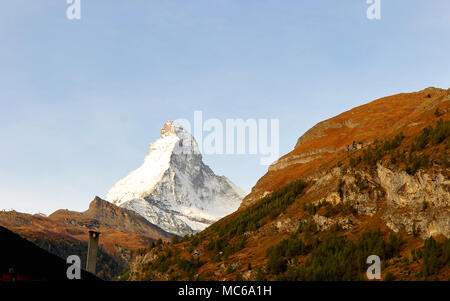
x=173 y=188
x=186 y=143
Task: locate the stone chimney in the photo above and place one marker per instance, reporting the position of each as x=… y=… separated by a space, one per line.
x=92 y=251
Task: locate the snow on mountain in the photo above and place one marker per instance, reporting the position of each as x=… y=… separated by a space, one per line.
x=174 y=189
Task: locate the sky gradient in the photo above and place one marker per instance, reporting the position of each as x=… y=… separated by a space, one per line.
x=81 y=100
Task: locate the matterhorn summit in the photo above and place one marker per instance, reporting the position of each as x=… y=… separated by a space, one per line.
x=174 y=189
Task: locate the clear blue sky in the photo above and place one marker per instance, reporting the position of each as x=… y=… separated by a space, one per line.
x=81 y=100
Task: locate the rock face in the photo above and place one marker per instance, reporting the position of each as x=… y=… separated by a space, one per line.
x=174 y=189
x=419 y=203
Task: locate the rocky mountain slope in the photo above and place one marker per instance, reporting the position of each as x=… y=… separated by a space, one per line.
x=174 y=189
x=65 y=233
x=350 y=131
x=373 y=180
